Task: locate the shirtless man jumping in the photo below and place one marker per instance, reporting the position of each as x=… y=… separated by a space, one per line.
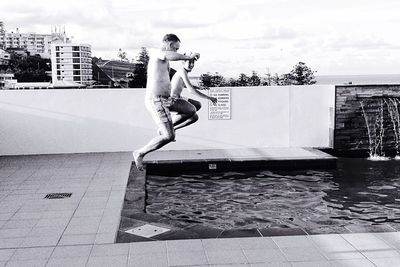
x=187 y=107
x=158 y=95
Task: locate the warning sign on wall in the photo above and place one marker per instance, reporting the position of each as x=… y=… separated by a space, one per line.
x=222 y=110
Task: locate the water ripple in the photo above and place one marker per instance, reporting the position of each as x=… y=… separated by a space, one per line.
x=358 y=191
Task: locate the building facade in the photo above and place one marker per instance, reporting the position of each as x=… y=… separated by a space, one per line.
x=71 y=62
x=34 y=43
x=6 y=78
x=4 y=57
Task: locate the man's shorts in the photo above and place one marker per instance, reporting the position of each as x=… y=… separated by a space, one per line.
x=159 y=108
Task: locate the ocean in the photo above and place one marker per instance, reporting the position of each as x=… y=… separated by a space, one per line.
x=358 y=79
x=344 y=79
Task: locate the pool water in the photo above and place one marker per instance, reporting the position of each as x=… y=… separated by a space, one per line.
x=358 y=192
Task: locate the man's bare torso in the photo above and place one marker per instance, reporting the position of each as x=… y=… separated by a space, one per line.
x=158 y=82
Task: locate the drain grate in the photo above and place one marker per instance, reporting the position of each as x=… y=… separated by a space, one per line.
x=147 y=230
x=58 y=195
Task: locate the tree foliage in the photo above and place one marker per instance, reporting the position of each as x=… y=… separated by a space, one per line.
x=212 y=80
x=301 y=74
x=139 y=78
x=27 y=68
x=122 y=55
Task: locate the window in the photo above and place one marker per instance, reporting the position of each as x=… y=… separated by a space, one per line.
x=76 y=60
x=77 y=79
x=57 y=48
x=75 y=54
x=75 y=48
x=76 y=66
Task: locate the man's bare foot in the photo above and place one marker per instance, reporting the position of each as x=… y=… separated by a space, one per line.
x=138 y=160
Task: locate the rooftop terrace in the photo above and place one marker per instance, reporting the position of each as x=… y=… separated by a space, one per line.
x=81 y=230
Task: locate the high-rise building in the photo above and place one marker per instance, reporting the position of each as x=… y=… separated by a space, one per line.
x=34 y=43
x=2 y=35
x=71 y=62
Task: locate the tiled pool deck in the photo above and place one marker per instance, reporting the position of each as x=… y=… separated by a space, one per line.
x=81 y=230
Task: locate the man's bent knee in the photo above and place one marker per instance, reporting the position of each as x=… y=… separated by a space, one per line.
x=195 y=117
x=192 y=111
x=169 y=136
x=198 y=106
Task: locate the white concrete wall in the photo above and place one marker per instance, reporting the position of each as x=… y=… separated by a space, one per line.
x=74 y=121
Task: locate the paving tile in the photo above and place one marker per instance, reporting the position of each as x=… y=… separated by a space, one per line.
x=148 y=247
x=20 y=224
x=386 y=262
x=148 y=260
x=393 y=239
x=257 y=243
x=104 y=238
x=80 y=229
x=47 y=230
x=312 y=264
x=77 y=239
x=264 y=255
x=72 y=251
x=293 y=241
x=5 y=254
x=14 y=232
x=32 y=253
x=303 y=254
x=184 y=245
x=270 y=264
x=67 y=262
x=110 y=250
x=27 y=263
x=40 y=241
x=88 y=213
x=6 y=215
x=225 y=256
x=53 y=222
x=11 y=242
x=335 y=247
x=384 y=253
x=27 y=215
x=184 y=258
x=352 y=263
x=108 y=227
x=106 y=261
x=85 y=221
x=221 y=244
x=366 y=242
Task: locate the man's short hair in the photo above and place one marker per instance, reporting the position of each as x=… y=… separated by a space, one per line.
x=170 y=37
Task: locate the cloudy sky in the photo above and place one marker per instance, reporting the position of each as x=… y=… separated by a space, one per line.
x=233 y=36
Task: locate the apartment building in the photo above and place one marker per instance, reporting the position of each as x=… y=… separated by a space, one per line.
x=34 y=43
x=6 y=78
x=4 y=57
x=71 y=62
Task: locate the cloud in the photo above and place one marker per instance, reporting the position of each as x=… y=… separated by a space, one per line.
x=359 y=43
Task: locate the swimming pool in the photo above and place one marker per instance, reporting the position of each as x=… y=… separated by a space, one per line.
x=358 y=192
